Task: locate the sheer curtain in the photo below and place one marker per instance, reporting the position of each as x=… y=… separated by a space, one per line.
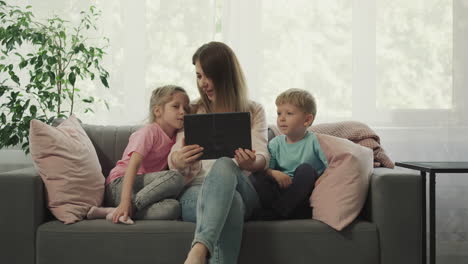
x=399 y=66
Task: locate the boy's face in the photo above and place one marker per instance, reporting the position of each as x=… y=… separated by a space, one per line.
x=292 y=121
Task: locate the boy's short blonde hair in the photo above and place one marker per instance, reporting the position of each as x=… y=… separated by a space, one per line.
x=300 y=98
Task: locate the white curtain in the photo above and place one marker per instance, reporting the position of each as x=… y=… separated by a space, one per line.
x=399 y=66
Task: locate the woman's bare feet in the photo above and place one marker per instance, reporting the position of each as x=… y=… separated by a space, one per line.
x=197 y=254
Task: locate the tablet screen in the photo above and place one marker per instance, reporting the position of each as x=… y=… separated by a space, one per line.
x=220 y=134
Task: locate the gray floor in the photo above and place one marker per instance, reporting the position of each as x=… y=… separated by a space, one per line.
x=452 y=218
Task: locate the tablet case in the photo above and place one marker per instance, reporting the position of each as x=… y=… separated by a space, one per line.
x=220 y=134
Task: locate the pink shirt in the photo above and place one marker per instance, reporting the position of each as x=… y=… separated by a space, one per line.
x=153 y=144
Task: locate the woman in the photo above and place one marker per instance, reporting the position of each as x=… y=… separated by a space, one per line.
x=221 y=185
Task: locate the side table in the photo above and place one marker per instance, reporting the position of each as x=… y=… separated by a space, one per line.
x=432 y=168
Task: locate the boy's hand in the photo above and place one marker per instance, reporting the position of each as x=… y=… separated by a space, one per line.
x=186 y=156
x=281 y=178
x=245 y=159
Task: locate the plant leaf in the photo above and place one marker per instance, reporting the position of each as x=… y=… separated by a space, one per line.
x=104 y=81
x=88 y=100
x=33 y=110
x=23 y=64
x=89 y=110
x=72 y=78
x=14 y=78
x=51 y=60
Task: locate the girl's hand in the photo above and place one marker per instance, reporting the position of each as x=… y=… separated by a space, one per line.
x=186 y=156
x=245 y=159
x=124 y=209
x=281 y=178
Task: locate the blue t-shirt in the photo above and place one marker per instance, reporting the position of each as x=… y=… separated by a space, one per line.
x=287 y=157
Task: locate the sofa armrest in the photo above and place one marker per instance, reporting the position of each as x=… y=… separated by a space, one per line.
x=22 y=211
x=394 y=205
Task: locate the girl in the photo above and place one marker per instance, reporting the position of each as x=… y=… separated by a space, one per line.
x=139 y=185
x=219 y=196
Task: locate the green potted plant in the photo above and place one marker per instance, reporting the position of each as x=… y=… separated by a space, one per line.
x=40 y=65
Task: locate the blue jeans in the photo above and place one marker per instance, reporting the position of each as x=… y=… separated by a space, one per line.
x=219 y=207
x=153 y=195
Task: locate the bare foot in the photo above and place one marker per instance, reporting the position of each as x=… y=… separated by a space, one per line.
x=197 y=254
x=99 y=212
x=129 y=221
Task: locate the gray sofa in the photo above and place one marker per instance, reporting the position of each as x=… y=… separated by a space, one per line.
x=388 y=231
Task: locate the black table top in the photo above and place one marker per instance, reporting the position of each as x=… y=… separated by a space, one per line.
x=436 y=166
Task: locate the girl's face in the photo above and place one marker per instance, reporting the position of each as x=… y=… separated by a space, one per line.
x=171 y=115
x=206 y=84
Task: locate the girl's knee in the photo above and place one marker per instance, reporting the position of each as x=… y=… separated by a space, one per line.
x=177 y=177
x=174 y=180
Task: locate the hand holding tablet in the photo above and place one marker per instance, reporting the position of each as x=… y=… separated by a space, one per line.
x=245 y=159
x=220 y=134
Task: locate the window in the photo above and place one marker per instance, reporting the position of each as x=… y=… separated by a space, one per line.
x=386 y=63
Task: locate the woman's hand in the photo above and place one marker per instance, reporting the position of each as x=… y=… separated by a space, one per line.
x=124 y=209
x=245 y=159
x=281 y=178
x=186 y=156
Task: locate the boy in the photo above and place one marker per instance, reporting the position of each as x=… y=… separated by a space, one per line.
x=297 y=160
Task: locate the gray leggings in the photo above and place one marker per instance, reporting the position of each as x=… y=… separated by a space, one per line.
x=153 y=195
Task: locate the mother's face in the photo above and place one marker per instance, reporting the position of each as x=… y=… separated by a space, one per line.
x=206 y=84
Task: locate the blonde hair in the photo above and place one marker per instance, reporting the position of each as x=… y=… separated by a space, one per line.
x=220 y=64
x=161 y=96
x=300 y=98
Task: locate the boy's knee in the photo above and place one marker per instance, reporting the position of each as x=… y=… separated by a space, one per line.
x=306 y=170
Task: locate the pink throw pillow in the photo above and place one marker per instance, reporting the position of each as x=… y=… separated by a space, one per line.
x=67 y=162
x=341 y=190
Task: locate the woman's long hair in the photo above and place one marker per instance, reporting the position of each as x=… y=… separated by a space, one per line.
x=220 y=64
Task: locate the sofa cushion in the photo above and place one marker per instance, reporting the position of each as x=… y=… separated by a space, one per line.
x=109 y=143
x=167 y=242
x=309 y=241
x=341 y=190
x=67 y=163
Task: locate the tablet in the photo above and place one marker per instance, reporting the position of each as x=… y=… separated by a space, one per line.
x=220 y=134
